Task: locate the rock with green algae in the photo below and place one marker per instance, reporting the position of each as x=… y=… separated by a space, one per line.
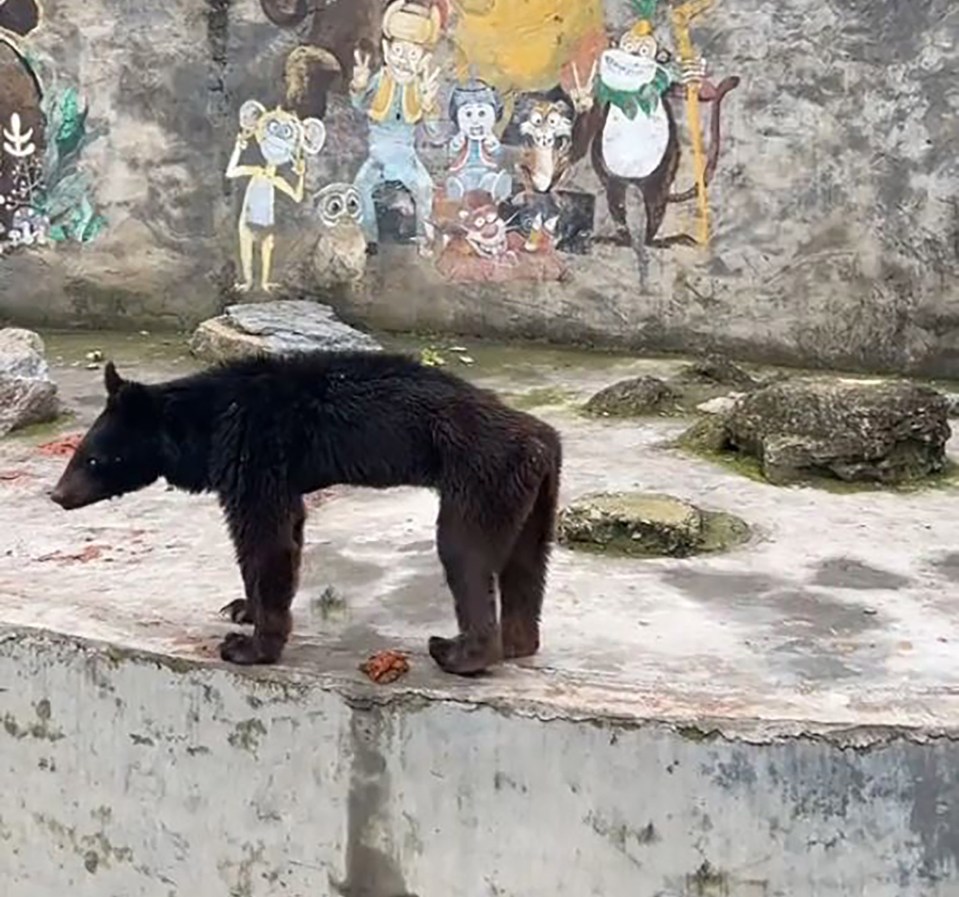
x=636 y=397
x=638 y=524
x=884 y=431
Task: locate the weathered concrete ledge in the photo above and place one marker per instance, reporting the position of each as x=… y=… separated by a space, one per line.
x=281 y=780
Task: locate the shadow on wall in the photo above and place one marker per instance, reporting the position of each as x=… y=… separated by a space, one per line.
x=479 y=117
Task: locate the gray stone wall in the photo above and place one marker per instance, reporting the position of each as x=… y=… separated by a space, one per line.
x=834 y=215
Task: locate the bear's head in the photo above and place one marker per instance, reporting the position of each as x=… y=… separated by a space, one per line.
x=120 y=453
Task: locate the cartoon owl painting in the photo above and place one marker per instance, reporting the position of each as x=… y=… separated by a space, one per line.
x=340 y=252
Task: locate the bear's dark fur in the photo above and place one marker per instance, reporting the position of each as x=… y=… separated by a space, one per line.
x=261 y=433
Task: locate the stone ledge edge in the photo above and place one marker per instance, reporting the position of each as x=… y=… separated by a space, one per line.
x=753 y=731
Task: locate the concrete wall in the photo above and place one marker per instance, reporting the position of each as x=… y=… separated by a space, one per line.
x=124 y=774
x=833 y=219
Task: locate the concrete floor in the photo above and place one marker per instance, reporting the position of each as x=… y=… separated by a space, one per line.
x=842 y=612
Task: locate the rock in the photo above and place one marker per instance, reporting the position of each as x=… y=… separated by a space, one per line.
x=28 y=395
x=276 y=328
x=855 y=430
x=646 y=525
x=719 y=405
x=633 y=398
x=707 y=436
x=716 y=370
x=953 y=400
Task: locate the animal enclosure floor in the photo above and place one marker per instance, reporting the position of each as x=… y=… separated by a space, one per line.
x=842 y=610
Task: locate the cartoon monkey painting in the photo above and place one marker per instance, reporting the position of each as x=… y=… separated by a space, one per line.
x=476 y=155
x=282 y=139
x=627 y=123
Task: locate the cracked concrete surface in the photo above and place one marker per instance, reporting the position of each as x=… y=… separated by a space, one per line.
x=711 y=724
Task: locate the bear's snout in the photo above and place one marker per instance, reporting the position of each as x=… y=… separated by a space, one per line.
x=60 y=497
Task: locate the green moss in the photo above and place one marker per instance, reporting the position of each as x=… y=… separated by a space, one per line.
x=246 y=735
x=696 y=734
x=35 y=433
x=122 y=347
x=541 y=397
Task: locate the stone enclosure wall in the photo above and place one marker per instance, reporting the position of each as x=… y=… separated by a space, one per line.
x=775 y=180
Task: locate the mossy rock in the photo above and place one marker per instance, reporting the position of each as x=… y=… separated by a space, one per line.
x=638 y=524
x=821 y=429
x=887 y=432
x=636 y=397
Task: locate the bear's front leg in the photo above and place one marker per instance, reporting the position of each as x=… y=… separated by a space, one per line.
x=270 y=564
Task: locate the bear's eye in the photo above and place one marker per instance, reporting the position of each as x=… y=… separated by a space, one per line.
x=93 y=462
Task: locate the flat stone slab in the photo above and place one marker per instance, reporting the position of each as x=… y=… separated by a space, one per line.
x=276 y=328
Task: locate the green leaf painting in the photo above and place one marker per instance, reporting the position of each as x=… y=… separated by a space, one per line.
x=65 y=198
x=644 y=9
x=632 y=102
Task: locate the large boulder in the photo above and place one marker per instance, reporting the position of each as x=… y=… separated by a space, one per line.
x=638 y=524
x=854 y=430
x=276 y=328
x=636 y=397
x=28 y=395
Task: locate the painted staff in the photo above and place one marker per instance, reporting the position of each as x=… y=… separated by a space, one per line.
x=682 y=16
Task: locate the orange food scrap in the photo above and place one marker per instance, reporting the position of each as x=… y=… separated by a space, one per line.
x=66 y=445
x=385 y=666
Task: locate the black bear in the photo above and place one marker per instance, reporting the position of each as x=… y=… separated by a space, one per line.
x=260 y=433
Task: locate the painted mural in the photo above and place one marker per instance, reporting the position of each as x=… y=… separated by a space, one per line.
x=402 y=94
x=45 y=196
x=627 y=123
x=486 y=122
x=282 y=142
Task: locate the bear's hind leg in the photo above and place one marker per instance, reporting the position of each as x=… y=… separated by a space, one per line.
x=522 y=579
x=468 y=560
x=270 y=560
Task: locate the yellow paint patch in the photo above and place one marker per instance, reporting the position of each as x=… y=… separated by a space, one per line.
x=522 y=44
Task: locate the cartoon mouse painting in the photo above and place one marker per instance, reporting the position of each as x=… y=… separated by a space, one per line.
x=282 y=139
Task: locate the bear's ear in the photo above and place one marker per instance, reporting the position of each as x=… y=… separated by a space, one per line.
x=111 y=379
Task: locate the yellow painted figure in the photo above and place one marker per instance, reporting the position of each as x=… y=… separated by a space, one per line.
x=283 y=139
x=519 y=45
